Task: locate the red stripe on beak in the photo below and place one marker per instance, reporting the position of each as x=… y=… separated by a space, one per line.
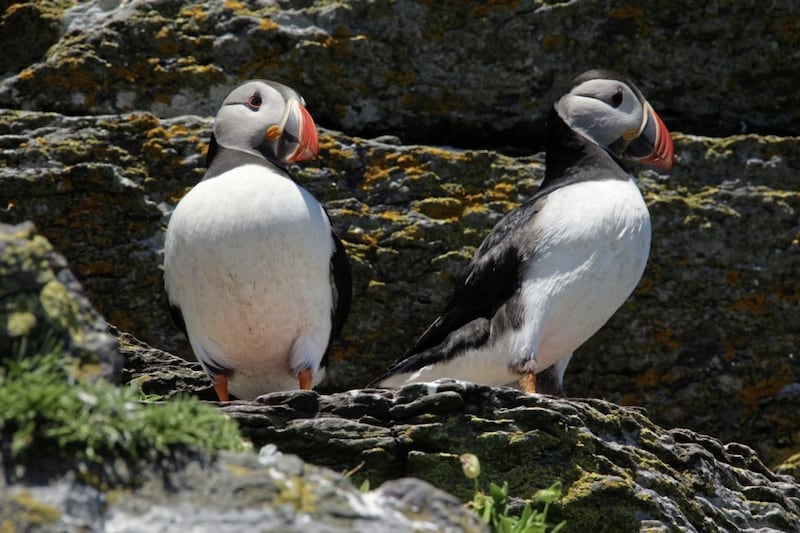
x=308 y=145
x=663 y=154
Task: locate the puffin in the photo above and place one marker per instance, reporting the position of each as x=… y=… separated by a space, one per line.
x=254 y=273
x=552 y=272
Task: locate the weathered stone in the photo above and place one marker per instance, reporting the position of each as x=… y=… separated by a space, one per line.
x=42 y=306
x=245 y=492
x=617 y=467
x=708 y=340
x=160 y=373
x=698 y=344
x=436 y=72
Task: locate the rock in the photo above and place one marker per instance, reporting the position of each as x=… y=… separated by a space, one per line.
x=790 y=466
x=698 y=344
x=42 y=306
x=442 y=73
x=118 y=99
x=242 y=492
x=160 y=373
x=601 y=452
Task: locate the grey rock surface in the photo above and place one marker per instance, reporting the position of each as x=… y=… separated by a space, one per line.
x=708 y=340
x=435 y=72
x=104 y=123
x=270 y=491
x=619 y=470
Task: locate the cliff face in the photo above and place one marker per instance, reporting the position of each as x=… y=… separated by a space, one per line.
x=706 y=341
x=105 y=122
x=436 y=72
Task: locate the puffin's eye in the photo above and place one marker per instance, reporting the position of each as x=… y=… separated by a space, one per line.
x=616 y=100
x=255 y=101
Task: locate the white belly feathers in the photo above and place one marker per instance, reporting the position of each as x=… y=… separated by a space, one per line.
x=243 y=249
x=593 y=248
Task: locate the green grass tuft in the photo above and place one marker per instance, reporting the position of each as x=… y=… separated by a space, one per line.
x=493 y=507
x=90 y=427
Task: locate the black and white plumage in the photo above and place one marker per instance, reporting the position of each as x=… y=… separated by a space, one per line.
x=554 y=270
x=253 y=271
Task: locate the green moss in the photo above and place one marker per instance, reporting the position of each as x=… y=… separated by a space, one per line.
x=30 y=510
x=20 y=324
x=298 y=493
x=90 y=427
x=606 y=501
x=61 y=308
x=440 y=470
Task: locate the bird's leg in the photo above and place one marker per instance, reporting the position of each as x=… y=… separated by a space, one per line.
x=305 y=378
x=528 y=382
x=221 y=386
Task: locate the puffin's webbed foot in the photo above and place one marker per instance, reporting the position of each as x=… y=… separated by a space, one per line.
x=305 y=377
x=528 y=382
x=221 y=387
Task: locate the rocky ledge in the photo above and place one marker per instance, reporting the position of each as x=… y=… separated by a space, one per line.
x=620 y=471
x=236 y=492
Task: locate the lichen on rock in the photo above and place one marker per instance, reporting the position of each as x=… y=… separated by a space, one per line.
x=42 y=304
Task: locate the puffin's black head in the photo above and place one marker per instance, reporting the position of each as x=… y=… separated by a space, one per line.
x=608 y=109
x=267 y=118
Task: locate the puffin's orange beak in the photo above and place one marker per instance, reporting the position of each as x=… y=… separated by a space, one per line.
x=299 y=140
x=653 y=145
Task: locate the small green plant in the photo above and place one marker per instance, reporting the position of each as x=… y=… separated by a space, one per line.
x=89 y=426
x=493 y=507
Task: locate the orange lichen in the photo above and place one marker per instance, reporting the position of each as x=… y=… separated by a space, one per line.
x=645 y=287
x=788 y=292
x=665 y=338
x=98 y=268
x=751 y=395
x=551 y=42
x=195 y=12
x=268 y=24
x=648 y=378
x=500 y=191
x=789 y=31
x=442 y=153
x=176 y=129
x=233 y=5
x=168 y=47
x=631 y=399
x=753 y=303
x=732 y=277
x=439 y=208
x=401 y=77
x=632 y=12
x=484 y=8
x=730 y=350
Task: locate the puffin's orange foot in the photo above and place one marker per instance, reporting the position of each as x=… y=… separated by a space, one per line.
x=528 y=382
x=221 y=386
x=305 y=378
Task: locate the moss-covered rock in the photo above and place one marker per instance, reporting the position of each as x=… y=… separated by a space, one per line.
x=698 y=344
x=436 y=72
x=244 y=492
x=43 y=305
x=620 y=472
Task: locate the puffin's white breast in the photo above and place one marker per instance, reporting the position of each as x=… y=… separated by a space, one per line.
x=247 y=260
x=592 y=247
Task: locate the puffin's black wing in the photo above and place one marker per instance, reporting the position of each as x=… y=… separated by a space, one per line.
x=342 y=287
x=177 y=317
x=342 y=284
x=487 y=295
